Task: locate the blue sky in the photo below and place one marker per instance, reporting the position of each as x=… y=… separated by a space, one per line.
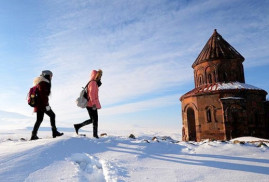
x=145 y=48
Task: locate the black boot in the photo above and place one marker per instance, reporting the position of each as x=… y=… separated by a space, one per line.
x=34 y=137
x=56 y=133
x=77 y=127
x=95 y=135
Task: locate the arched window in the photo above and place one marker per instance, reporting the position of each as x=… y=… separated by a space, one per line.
x=208 y=115
x=200 y=80
x=209 y=78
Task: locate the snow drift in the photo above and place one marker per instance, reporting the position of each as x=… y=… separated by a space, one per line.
x=119 y=158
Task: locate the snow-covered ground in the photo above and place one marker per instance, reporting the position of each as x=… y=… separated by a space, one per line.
x=116 y=157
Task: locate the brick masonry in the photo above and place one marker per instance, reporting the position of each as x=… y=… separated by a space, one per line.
x=222 y=114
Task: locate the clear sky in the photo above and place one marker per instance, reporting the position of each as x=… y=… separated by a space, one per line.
x=145 y=49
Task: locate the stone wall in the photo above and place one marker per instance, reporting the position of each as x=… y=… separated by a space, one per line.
x=224 y=115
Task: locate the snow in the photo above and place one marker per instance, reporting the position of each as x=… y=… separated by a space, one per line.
x=234 y=98
x=250 y=139
x=117 y=158
x=231 y=85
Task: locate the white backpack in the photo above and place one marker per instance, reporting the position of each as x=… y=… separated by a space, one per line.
x=82 y=100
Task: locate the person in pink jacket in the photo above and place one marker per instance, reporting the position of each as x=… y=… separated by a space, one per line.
x=93 y=102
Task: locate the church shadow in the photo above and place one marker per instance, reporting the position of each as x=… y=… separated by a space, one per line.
x=207 y=160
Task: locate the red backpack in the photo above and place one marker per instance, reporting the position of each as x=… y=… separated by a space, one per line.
x=32 y=96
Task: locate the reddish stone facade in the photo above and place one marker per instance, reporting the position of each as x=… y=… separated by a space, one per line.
x=222 y=106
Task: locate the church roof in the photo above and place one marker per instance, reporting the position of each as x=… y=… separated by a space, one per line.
x=217 y=48
x=211 y=88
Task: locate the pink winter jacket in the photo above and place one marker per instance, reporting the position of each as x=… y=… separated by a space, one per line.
x=93 y=91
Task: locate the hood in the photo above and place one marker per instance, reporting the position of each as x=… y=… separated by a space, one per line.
x=93 y=75
x=39 y=79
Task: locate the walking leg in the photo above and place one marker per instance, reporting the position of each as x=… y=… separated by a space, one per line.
x=39 y=119
x=95 y=123
x=89 y=121
x=55 y=132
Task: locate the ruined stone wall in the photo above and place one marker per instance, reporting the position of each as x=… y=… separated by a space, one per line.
x=235 y=116
x=210 y=116
x=256 y=113
x=246 y=116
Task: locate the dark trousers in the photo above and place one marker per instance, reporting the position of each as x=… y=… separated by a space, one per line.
x=40 y=117
x=93 y=119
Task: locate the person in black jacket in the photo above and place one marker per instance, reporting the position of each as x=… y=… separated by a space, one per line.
x=43 y=84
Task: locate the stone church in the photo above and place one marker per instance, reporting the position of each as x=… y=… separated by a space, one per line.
x=222 y=106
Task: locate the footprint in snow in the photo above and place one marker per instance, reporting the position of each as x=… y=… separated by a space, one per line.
x=80 y=167
x=93 y=169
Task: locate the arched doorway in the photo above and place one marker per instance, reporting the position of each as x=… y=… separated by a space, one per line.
x=236 y=121
x=191 y=124
x=235 y=125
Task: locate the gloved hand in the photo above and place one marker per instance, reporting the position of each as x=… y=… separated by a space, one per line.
x=94 y=107
x=48 y=108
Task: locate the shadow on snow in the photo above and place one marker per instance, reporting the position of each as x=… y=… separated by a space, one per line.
x=24 y=163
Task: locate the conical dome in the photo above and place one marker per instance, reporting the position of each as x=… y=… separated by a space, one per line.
x=217 y=48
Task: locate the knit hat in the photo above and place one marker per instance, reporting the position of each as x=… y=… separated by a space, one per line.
x=46 y=72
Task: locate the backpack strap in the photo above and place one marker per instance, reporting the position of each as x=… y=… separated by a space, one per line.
x=85 y=95
x=86 y=85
